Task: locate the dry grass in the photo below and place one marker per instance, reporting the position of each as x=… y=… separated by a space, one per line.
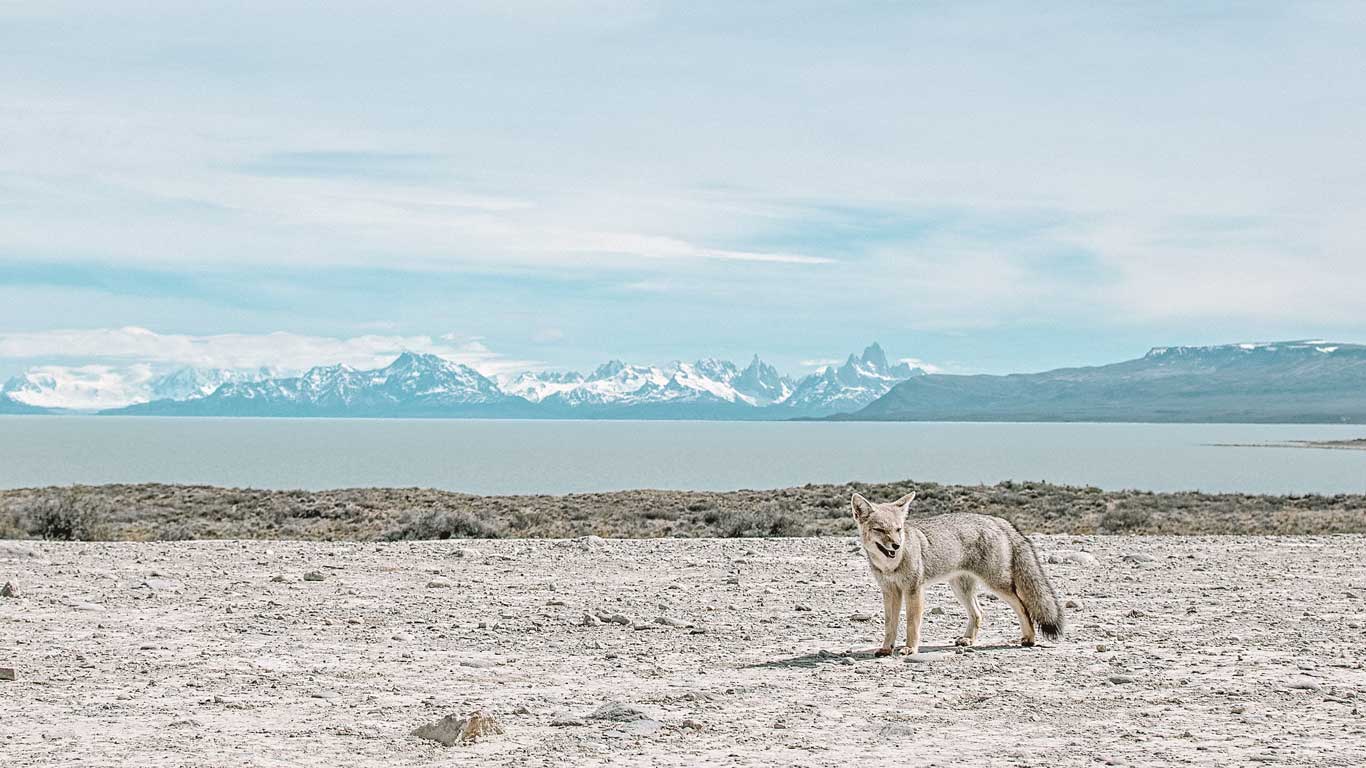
x=175 y=512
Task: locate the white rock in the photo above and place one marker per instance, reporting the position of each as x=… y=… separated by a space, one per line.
x=616 y=711
x=1073 y=557
x=452 y=729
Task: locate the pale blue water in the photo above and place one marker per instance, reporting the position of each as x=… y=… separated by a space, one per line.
x=568 y=456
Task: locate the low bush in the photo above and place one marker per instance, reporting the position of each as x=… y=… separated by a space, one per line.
x=443 y=524
x=66 y=516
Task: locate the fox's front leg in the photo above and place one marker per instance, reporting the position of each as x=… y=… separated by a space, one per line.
x=915 y=610
x=891 y=617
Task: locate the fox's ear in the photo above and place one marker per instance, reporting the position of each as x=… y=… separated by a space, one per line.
x=862 y=508
x=905 y=502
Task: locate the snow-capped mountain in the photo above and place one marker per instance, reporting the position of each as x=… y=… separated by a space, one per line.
x=617 y=384
x=413 y=384
x=187 y=383
x=426 y=385
x=851 y=386
x=96 y=387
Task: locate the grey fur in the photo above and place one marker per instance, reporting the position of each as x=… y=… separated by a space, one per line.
x=964 y=549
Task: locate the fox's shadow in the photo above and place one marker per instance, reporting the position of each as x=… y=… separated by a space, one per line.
x=817 y=659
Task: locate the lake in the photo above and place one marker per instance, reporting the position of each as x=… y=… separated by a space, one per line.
x=498 y=457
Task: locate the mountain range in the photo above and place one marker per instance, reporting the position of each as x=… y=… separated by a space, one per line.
x=95 y=387
x=424 y=385
x=1295 y=381
x=1288 y=382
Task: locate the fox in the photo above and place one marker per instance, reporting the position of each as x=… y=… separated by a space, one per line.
x=961 y=548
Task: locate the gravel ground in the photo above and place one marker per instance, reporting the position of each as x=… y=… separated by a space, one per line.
x=1181 y=650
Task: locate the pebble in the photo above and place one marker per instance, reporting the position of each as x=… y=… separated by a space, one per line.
x=7 y=673
x=621 y=619
x=313 y=576
x=861 y=617
x=672 y=622
x=589 y=620
x=438 y=584
x=1121 y=679
x=937 y=611
x=566 y=720
x=1138 y=557
x=801 y=607
x=1073 y=604
x=9 y=590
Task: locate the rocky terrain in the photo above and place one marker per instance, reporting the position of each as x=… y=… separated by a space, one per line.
x=1228 y=650
x=176 y=512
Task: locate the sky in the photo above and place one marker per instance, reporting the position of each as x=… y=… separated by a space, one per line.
x=519 y=184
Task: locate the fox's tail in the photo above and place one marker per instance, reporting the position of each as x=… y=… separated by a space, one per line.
x=1035 y=591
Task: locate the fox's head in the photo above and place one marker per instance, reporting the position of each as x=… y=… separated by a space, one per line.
x=881 y=528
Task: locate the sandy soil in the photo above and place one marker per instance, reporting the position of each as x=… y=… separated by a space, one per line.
x=1206 y=651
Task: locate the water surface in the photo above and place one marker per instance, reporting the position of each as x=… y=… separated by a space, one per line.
x=496 y=457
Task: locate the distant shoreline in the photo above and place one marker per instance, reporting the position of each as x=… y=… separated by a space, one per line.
x=1357 y=444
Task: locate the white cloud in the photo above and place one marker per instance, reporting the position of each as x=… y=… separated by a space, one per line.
x=627 y=138
x=916 y=362
x=85 y=387
x=287 y=352
x=671 y=248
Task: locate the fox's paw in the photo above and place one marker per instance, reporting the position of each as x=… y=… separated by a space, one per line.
x=883 y=652
x=964 y=641
x=907 y=650
x=1026 y=642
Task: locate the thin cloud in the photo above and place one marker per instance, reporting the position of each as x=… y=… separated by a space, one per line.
x=286 y=352
x=654 y=247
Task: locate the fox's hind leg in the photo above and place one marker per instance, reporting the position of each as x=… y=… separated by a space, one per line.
x=965 y=589
x=1026 y=623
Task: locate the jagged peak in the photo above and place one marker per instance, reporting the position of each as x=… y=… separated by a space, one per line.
x=608 y=369
x=874 y=356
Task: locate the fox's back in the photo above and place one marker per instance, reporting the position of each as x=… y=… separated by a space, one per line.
x=965 y=541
